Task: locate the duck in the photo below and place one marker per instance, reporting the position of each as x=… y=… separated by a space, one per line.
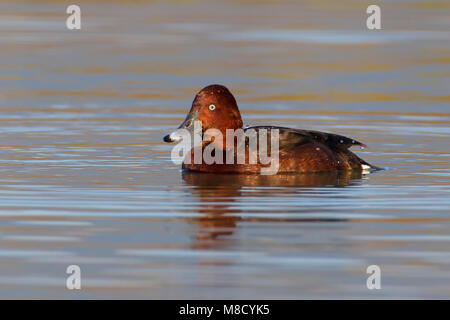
x=215 y=109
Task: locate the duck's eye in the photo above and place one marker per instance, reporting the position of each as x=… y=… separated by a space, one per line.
x=212 y=107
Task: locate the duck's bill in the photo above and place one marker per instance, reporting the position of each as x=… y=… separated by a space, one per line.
x=175 y=136
x=186 y=127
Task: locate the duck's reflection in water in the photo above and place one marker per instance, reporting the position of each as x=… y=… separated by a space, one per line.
x=219 y=195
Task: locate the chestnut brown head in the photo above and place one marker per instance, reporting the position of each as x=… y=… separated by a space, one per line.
x=215 y=107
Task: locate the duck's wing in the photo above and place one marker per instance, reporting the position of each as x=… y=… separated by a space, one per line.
x=291 y=138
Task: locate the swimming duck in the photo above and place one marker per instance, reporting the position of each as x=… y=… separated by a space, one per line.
x=299 y=151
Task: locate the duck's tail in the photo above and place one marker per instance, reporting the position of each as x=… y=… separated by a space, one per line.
x=367 y=166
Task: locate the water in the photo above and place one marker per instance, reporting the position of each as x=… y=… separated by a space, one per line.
x=85 y=178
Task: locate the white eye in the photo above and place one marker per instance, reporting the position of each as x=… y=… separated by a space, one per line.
x=212 y=107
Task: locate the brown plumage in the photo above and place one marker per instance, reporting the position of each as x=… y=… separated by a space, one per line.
x=299 y=150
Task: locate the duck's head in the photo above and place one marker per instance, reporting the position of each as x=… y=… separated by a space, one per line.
x=215 y=107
